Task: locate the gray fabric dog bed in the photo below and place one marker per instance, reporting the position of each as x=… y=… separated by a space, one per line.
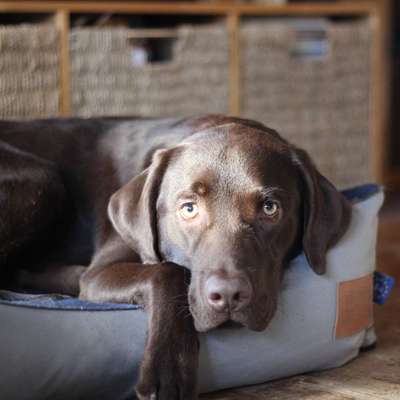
x=71 y=349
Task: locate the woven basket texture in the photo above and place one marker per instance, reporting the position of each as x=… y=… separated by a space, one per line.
x=322 y=105
x=29 y=71
x=105 y=82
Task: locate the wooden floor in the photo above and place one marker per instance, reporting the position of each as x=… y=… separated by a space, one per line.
x=375 y=375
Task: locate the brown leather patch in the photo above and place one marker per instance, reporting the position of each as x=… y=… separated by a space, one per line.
x=354 y=306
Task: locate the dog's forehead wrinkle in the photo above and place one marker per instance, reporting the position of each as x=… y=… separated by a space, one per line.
x=235 y=170
x=218 y=168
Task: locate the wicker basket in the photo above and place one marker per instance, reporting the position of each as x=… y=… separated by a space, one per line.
x=29 y=65
x=321 y=105
x=105 y=82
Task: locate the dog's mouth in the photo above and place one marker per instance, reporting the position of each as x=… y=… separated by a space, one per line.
x=252 y=318
x=230 y=324
x=205 y=322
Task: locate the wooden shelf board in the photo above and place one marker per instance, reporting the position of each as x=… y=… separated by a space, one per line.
x=217 y=8
x=359 y=8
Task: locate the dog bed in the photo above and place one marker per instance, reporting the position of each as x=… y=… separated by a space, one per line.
x=66 y=348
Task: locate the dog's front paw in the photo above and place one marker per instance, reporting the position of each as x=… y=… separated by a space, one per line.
x=169 y=373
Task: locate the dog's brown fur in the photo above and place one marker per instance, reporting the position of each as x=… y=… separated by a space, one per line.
x=56 y=181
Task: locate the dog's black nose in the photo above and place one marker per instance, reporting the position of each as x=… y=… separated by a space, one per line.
x=227 y=294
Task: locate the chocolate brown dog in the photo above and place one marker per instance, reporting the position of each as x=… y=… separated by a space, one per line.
x=137 y=200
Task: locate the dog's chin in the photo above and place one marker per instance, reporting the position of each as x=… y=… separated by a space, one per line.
x=253 y=324
x=228 y=324
x=206 y=323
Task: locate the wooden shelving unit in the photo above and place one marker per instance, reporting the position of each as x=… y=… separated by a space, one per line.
x=233 y=11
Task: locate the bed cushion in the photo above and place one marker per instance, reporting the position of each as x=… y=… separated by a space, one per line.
x=66 y=348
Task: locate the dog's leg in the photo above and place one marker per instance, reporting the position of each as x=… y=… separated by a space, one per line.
x=53 y=279
x=32 y=198
x=169 y=368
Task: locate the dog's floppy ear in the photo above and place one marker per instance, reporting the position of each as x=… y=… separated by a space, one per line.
x=326 y=213
x=132 y=209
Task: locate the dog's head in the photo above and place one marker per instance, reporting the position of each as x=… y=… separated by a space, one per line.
x=233 y=203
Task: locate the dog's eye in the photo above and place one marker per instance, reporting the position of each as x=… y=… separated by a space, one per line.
x=188 y=210
x=270 y=208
